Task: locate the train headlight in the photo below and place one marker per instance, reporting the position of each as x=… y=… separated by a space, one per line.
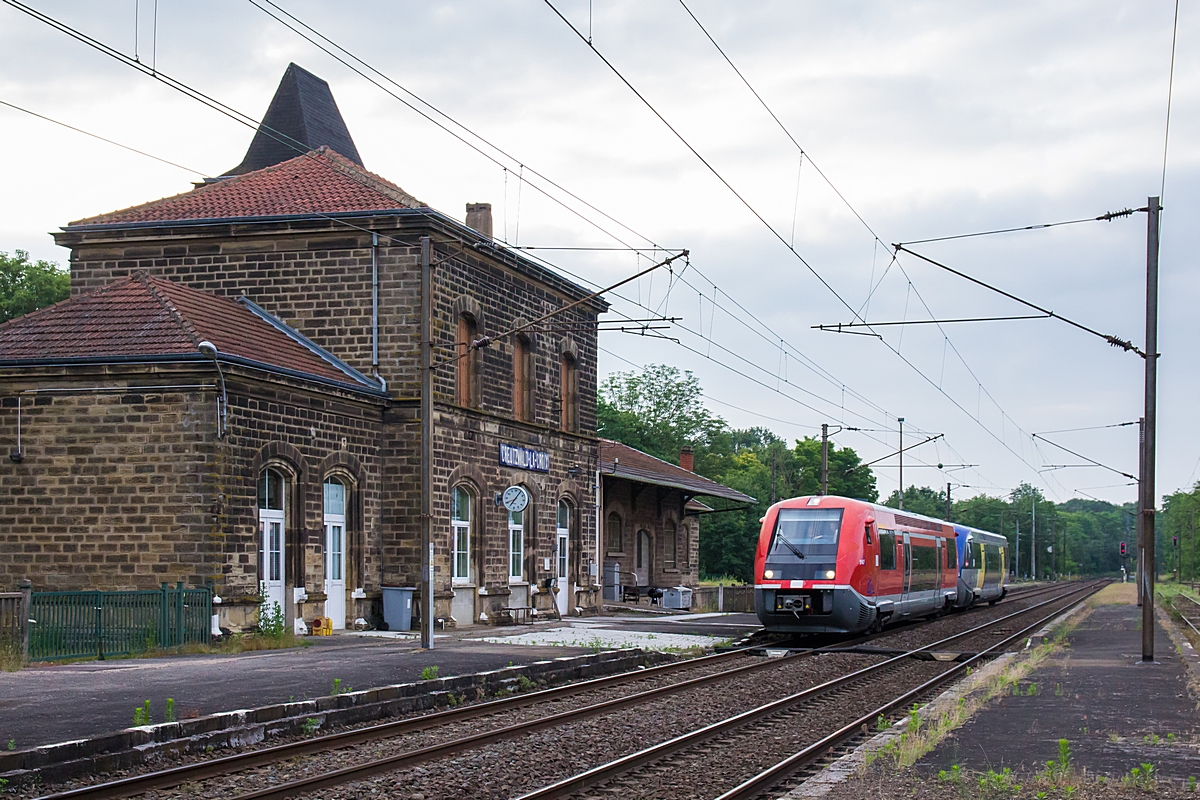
x=830 y=574
x=770 y=573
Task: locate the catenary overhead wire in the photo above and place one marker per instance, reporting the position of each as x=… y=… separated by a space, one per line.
x=768 y=225
x=366 y=66
x=1107 y=217
x=1170 y=91
x=102 y=139
x=189 y=91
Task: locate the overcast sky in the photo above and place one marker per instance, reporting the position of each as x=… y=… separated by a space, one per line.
x=930 y=118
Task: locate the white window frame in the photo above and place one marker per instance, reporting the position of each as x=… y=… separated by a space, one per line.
x=562 y=535
x=460 y=539
x=516 y=546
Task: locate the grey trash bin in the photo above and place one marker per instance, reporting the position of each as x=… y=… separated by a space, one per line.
x=679 y=597
x=397 y=607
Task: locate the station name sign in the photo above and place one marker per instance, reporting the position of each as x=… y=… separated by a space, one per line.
x=512 y=455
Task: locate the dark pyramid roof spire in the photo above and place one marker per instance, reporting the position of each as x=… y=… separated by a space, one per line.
x=304 y=114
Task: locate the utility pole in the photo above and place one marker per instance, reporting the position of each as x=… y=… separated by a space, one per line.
x=1033 y=540
x=774 y=453
x=1146 y=588
x=1193 y=581
x=1054 y=548
x=901 y=421
x=824 y=458
x=1018 y=549
x=427 y=578
x=947 y=501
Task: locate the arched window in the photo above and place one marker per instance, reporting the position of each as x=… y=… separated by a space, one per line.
x=522 y=378
x=516 y=548
x=643 y=546
x=467 y=387
x=272 y=491
x=670 y=545
x=614 y=543
x=569 y=415
x=461 y=503
x=335 y=552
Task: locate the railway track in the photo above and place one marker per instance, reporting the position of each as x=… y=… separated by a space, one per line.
x=688 y=765
x=1190 y=613
x=695 y=674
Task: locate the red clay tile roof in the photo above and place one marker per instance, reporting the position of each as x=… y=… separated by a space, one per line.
x=147 y=316
x=621 y=461
x=321 y=181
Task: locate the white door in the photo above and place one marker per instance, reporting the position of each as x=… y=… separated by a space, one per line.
x=335 y=553
x=562 y=578
x=641 y=561
x=271 y=554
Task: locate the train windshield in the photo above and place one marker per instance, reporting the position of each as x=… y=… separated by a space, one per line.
x=807 y=532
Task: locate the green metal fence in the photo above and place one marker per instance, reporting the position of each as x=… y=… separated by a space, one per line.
x=98 y=624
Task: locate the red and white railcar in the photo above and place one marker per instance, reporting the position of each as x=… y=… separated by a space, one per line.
x=834 y=565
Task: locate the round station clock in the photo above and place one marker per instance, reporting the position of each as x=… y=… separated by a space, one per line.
x=515 y=498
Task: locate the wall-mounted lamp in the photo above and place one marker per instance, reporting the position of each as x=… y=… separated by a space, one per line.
x=574 y=471
x=209 y=349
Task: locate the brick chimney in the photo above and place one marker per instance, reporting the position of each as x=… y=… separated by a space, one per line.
x=687 y=458
x=479 y=217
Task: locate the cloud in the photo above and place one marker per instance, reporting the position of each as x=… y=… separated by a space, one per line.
x=932 y=118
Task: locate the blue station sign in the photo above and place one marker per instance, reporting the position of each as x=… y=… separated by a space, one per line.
x=513 y=455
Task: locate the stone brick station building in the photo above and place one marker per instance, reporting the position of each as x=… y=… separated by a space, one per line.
x=231 y=398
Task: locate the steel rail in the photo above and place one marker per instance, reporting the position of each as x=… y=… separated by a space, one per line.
x=175 y=776
x=1184 y=616
x=784 y=769
x=606 y=772
x=218 y=767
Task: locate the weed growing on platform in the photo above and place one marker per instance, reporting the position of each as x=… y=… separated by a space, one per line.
x=12 y=744
x=271 y=622
x=339 y=689
x=429 y=673
x=1142 y=777
x=1192 y=784
x=169 y=715
x=11 y=657
x=524 y=684
x=309 y=725
x=998 y=785
x=141 y=714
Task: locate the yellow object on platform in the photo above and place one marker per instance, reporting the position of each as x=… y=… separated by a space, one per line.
x=322 y=626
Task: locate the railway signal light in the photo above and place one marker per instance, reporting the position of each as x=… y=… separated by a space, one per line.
x=1122 y=548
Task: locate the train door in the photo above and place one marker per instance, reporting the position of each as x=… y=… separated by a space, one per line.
x=941 y=561
x=906 y=602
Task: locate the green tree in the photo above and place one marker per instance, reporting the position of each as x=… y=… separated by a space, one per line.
x=29 y=285
x=920 y=500
x=661 y=409
x=658 y=411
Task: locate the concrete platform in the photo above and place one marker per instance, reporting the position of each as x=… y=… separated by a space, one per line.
x=1116 y=712
x=45 y=704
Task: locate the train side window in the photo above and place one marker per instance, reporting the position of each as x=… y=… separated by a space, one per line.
x=868 y=526
x=951 y=554
x=887 y=550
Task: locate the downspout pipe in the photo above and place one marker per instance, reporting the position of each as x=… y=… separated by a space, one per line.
x=209 y=349
x=375 y=311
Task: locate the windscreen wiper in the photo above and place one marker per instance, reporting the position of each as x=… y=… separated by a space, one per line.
x=791 y=547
